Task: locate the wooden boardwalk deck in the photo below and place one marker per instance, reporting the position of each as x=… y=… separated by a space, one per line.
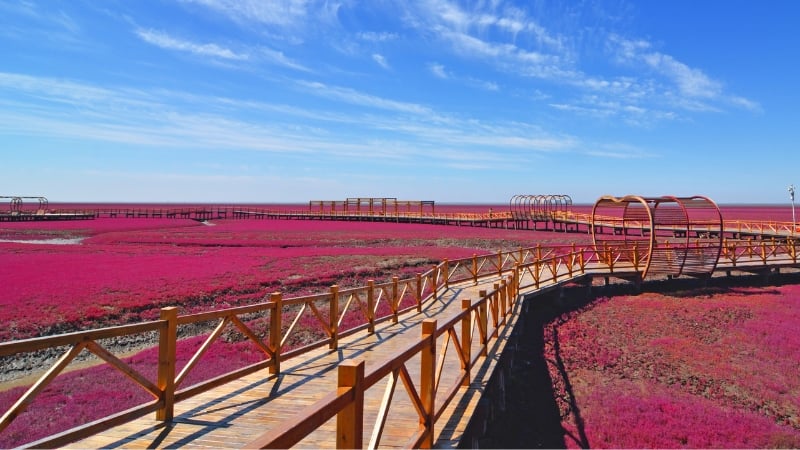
x=236 y=413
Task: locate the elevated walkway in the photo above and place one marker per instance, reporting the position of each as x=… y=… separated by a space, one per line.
x=237 y=413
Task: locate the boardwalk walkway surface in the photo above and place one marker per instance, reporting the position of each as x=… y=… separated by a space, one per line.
x=236 y=413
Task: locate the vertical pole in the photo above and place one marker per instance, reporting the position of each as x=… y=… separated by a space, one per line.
x=794 y=221
x=419 y=292
x=466 y=339
x=167 y=343
x=333 y=317
x=475 y=268
x=434 y=276
x=446 y=268
x=275 y=331
x=516 y=282
x=371 y=306
x=495 y=305
x=350 y=420
x=503 y=299
x=483 y=320
x=395 y=299
x=428 y=381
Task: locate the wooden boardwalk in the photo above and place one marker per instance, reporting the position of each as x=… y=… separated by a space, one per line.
x=236 y=413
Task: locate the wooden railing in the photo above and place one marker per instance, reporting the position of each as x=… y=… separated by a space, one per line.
x=357 y=309
x=429 y=397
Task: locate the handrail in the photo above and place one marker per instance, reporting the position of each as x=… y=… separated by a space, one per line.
x=346 y=403
x=532 y=268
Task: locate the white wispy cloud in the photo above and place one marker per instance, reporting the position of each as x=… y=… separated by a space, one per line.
x=284 y=13
x=279 y=58
x=380 y=60
x=438 y=71
x=466 y=31
x=168 y=119
x=687 y=87
x=165 y=41
x=372 y=36
x=510 y=40
x=355 y=97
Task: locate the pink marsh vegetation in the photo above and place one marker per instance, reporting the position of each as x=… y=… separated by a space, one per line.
x=703 y=368
x=125 y=270
x=708 y=369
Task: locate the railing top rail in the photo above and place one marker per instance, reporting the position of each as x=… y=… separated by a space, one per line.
x=39 y=343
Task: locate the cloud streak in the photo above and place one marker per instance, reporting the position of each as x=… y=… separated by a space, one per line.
x=164 y=119
x=167 y=42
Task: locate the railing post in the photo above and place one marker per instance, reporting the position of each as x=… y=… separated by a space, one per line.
x=516 y=282
x=555 y=268
x=434 y=276
x=395 y=298
x=427 y=383
x=275 y=331
x=446 y=269
x=503 y=298
x=350 y=420
x=167 y=343
x=475 y=268
x=499 y=263
x=418 y=296
x=483 y=321
x=466 y=340
x=495 y=307
x=510 y=289
x=371 y=306
x=333 y=317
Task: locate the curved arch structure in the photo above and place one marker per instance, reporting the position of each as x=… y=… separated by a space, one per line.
x=17 y=200
x=538 y=207
x=660 y=236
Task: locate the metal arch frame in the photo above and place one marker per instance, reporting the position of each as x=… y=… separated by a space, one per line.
x=712 y=242
x=623 y=203
x=538 y=207
x=517 y=213
x=16 y=202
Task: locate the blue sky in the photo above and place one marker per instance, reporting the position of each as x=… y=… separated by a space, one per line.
x=289 y=101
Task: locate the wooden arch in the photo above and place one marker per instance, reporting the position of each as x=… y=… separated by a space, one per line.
x=661 y=236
